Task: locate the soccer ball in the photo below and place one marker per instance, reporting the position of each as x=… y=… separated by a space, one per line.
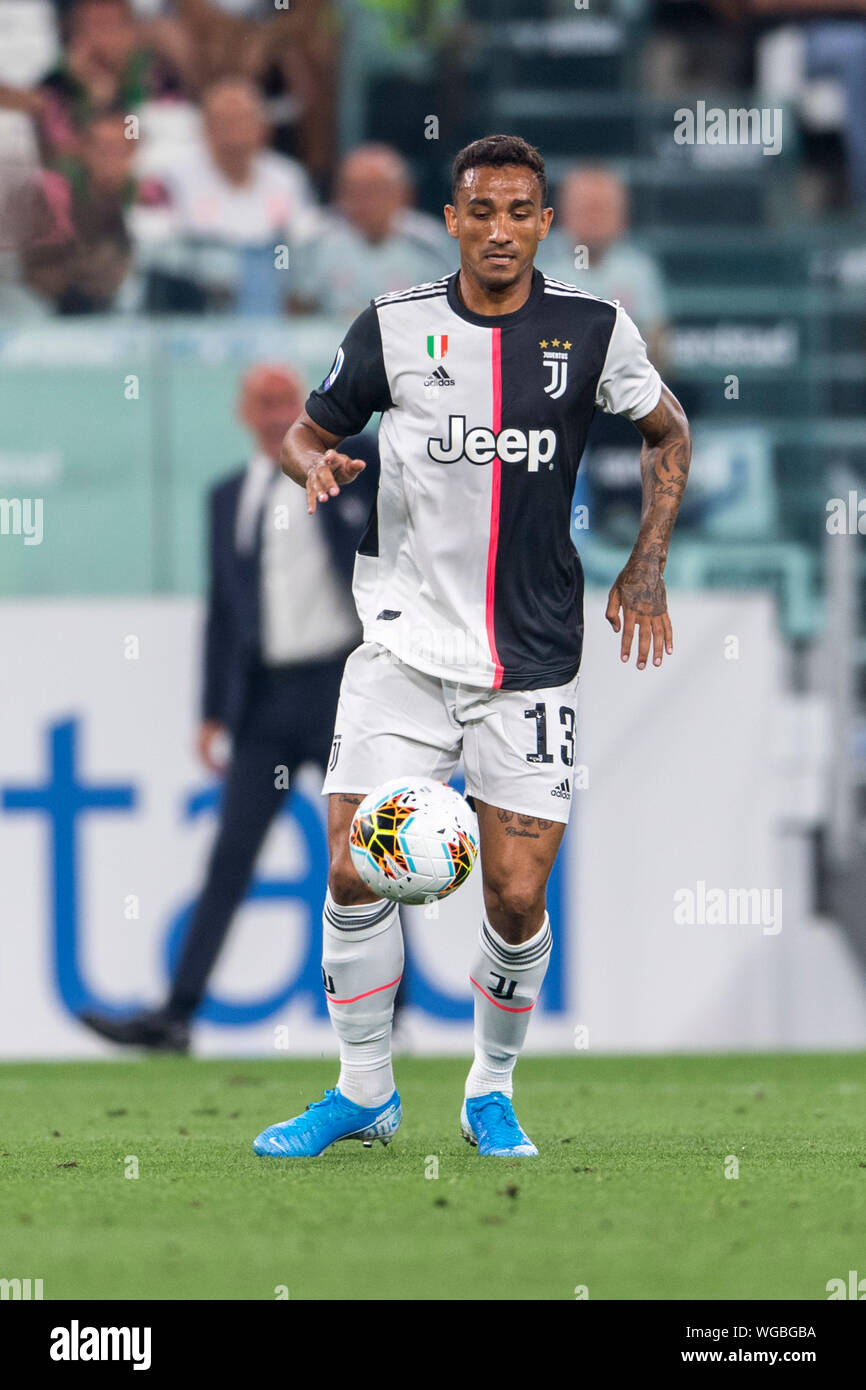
x=414 y=840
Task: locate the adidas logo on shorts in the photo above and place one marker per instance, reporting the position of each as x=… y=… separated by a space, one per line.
x=563 y=790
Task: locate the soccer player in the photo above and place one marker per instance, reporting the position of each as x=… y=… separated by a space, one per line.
x=471 y=595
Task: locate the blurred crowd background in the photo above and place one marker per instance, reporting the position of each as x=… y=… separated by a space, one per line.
x=192 y=186
x=156 y=152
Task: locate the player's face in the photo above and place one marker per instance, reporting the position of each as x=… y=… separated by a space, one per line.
x=499 y=221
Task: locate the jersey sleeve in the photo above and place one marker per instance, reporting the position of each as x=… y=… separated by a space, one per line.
x=629 y=384
x=356 y=387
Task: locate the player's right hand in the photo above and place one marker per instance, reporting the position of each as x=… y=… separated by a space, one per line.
x=324 y=479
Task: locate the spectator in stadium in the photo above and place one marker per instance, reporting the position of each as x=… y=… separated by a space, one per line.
x=87 y=273
x=107 y=63
x=290 y=52
x=36 y=240
x=374 y=240
x=233 y=204
x=588 y=246
x=280 y=623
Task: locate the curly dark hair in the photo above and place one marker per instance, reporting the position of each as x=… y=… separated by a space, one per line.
x=495 y=151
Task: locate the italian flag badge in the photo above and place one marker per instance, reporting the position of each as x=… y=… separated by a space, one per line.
x=437 y=346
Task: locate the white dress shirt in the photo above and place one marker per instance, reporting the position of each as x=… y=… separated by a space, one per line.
x=307 y=613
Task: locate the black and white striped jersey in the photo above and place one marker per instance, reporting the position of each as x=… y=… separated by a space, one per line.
x=467 y=569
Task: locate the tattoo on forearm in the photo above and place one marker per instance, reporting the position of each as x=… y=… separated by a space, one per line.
x=349 y=798
x=670 y=470
x=665 y=460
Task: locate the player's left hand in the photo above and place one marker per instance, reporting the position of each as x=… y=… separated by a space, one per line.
x=640 y=593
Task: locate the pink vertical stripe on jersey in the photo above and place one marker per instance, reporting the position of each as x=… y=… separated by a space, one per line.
x=496 y=426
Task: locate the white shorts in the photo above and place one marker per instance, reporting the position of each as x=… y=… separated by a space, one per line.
x=518 y=746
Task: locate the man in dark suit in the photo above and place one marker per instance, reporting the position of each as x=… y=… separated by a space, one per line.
x=280 y=624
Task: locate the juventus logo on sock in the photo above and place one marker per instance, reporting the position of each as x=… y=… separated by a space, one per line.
x=335 y=752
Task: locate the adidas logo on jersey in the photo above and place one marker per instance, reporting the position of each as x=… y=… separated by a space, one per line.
x=563 y=790
x=439 y=378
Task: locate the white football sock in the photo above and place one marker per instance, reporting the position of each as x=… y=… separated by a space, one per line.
x=362 y=961
x=506 y=981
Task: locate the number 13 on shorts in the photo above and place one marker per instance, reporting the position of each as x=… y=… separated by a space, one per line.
x=559 y=730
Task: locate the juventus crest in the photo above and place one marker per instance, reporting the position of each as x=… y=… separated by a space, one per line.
x=558 y=379
x=556 y=361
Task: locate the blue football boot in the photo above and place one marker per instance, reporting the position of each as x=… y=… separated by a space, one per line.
x=325 y=1122
x=490 y=1124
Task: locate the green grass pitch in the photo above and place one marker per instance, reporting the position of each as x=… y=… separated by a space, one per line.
x=628 y=1198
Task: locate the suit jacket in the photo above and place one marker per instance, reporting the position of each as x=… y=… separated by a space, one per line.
x=232 y=631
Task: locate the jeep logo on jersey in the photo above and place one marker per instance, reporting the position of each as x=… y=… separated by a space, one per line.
x=481 y=445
